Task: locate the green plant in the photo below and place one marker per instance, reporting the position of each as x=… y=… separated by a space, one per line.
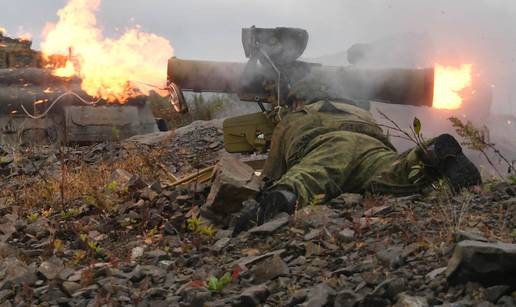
x=116 y=133
x=112 y=186
x=193 y=223
x=478 y=140
x=33 y=217
x=207 y=109
x=207 y=230
x=196 y=225
x=70 y=213
x=92 y=245
x=414 y=134
x=217 y=284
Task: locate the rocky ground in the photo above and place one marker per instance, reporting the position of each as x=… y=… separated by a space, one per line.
x=104 y=225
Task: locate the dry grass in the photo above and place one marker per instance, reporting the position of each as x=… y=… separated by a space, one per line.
x=73 y=183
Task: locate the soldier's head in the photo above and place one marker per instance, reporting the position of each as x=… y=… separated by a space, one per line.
x=306 y=92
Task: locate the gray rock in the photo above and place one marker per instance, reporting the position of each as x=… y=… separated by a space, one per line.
x=70 y=287
x=390 y=287
x=220 y=244
x=347 y=298
x=374 y=301
x=405 y=300
x=157 y=255
x=320 y=295
x=506 y=301
x=254 y=296
x=298 y=297
x=487 y=263
x=434 y=273
x=233 y=182
x=137 y=252
x=313 y=234
x=391 y=256
x=270 y=269
x=65 y=273
x=166 y=264
x=50 y=269
x=345 y=236
x=141 y=271
x=495 y=292
x=14 y=272
x=271 y=226
x=196 y=297
x=351 y=199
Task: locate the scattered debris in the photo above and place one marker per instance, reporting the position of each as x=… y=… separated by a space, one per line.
x=128 y=233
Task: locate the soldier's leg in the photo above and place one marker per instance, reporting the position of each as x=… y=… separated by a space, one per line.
x=330 y=165
x=412 y=171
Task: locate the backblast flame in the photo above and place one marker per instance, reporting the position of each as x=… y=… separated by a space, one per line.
x=449 y=82
x=112 y=69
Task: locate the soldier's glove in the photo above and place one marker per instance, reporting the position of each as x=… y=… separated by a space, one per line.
x=270 y=204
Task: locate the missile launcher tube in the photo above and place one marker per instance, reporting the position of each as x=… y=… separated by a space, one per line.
x=397 y=86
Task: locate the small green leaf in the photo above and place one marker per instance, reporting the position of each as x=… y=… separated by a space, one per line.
x=414 y=171
x=226 y=279
x=417 y=125
x=213 y=283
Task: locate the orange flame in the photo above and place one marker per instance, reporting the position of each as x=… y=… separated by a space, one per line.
x=449 y=81
x=67 y=71
x=112 y=69
x=2 y=30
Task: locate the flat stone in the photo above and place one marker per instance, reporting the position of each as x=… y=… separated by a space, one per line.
x=346 y=235
x=271 y=226
x=50 y=269
x=434 y=273
x=270 y=269
x=405 y=300
x=232 y=183
x=347 y=298
x=320 y=295
x=391 y=256
x=15 y=272
x=137 y=252
x=220 y=244
x=313 y=234
x=351 y=199
x=487 y=263
x=71 y=287
x=254 y=296
x=496 y=292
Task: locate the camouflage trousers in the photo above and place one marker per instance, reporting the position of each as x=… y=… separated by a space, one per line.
x=349 y=162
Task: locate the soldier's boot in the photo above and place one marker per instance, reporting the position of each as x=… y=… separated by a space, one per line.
x=270 y=204
x=445 y=156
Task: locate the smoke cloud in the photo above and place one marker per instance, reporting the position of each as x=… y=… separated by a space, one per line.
x=482 y=32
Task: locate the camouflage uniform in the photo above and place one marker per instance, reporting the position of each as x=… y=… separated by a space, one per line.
x=329 y=148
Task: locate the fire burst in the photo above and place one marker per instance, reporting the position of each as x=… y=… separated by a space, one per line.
x=112 y=69
x=449 y=81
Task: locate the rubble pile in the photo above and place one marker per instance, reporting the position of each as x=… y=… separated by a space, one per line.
x=136 y=239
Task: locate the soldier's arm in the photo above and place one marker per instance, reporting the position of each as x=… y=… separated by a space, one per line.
x=276 y=165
